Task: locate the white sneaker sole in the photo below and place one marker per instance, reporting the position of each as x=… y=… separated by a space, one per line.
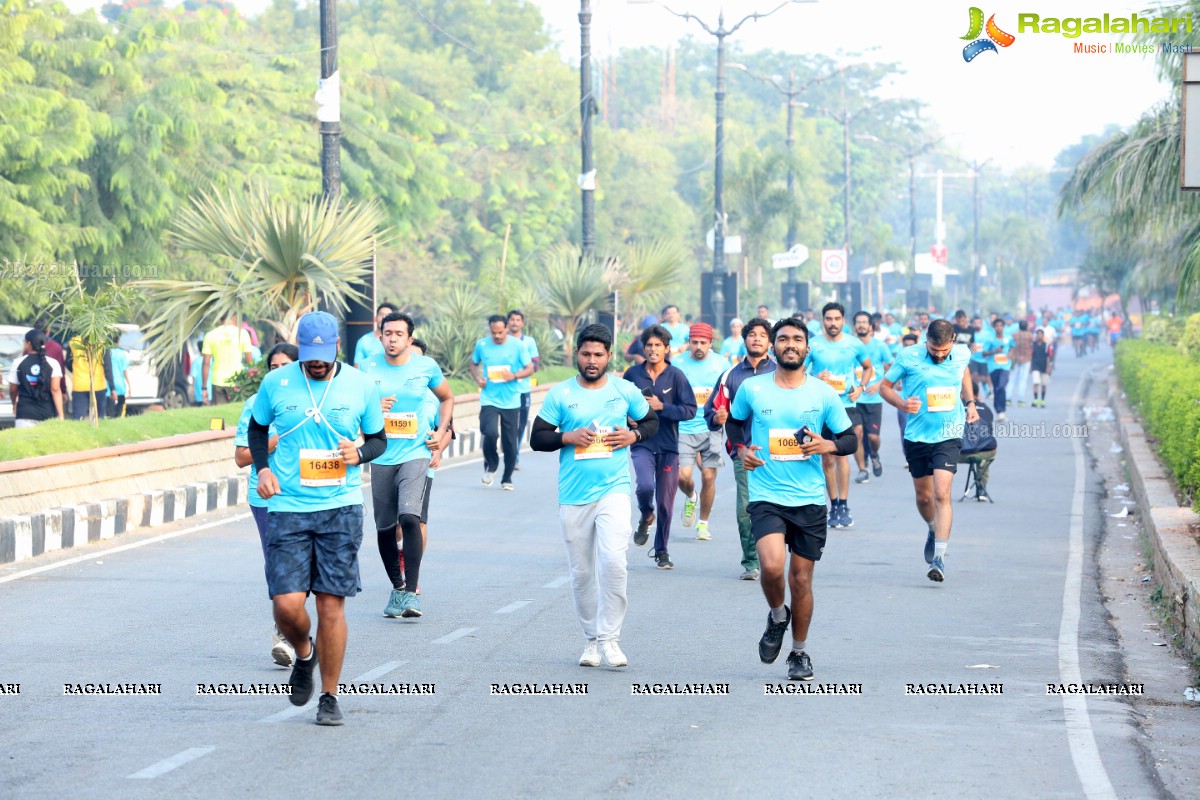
x=282 y=655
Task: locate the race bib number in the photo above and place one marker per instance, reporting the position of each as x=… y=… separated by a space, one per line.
x=1001 y=358
x=702 y=396
x=322 y=468
x=597 y=449
x=784 y=445
x=858 y=373
x=976 y=347
x=400 y=424
x=498 y=374
x=838 y=382
x=940 y=398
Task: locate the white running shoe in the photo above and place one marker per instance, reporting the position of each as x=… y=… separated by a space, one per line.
x=591 y=654
x=282 y=651
x=488 y=478
x=702 y=533
x=612 y=654
x=689 y=511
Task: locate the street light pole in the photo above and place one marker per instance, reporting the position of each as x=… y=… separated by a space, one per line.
x=331 y=132
x=790 y=294
x=587 y=110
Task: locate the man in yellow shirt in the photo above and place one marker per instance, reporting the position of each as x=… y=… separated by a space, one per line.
x=87 y=380
x=226 y=350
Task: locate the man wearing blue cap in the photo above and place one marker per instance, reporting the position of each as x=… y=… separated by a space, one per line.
x=313 y=487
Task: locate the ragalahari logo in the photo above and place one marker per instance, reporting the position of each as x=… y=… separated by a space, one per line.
x=995 y=36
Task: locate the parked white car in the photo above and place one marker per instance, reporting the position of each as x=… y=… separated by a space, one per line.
x=12 y=346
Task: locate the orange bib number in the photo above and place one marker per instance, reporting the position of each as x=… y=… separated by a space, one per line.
x=702 y=396
x=785 y=446
x=400 y=425
x=940 y=398
x=322 y=468
x=498 y=374
x=596 y=449
x=1001 y=358
x=838 y=382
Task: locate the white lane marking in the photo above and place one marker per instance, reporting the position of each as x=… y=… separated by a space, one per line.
x=1080 y=736
x=366 y=677
x=453 y=635
x=511 y=607
x=168 y=764
x=111 y=550
x=557 y=582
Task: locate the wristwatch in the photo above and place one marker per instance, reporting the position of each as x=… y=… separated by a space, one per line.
x=637 y=434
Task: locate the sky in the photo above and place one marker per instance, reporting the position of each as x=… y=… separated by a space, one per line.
x=1020 y=105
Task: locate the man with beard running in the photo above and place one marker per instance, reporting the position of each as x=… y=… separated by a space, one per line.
x=756 y=335
x=586 y=420
x=870 y=404
x=790 y=417
x=404 y=378
x=698 y=446
x=936 y=382
x=833 y=357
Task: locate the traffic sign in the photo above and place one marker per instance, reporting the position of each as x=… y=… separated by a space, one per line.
x=833 y=266
x=794 y=257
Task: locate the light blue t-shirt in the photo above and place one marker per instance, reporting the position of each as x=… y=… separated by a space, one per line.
x=306 y=460
x=430 y=416
x=491 y=358
x=368 y=347
x=567 y=406
x=939 y=386
x=815 y=328
x=702 y=376
x=840 y=358
x=120 y=363
x=526 y=384
x=733 y=349
x=1005 y=344
x=880 y=355
x=241 y=438
x=788 y=478
x=681 y=336
x=409 y=383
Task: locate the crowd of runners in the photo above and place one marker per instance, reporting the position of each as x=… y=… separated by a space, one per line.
x=786 y=403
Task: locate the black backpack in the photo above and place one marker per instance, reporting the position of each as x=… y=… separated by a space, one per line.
x=979 y=437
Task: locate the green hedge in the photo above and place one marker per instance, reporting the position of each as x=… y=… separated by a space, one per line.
x=1164 y=385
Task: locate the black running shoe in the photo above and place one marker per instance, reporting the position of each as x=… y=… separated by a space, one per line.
x=772 y=639
x=663 y=561
x=799 y=667
x=301 y=679
x=876 y=467
x=643 y=530
x=328 y=712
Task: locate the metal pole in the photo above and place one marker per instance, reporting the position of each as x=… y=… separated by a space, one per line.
x=975 y=245
x=790 y=293
x=587 y=109
x=718 y=278
x=331 y=132
x=846 y=167
x=912 y=223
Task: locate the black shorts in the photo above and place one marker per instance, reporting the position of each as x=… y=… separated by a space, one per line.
x=924 y=457
x=425 y=504
x=872 y=417
x=803 y=527
x=855 y=415
x=978 y=368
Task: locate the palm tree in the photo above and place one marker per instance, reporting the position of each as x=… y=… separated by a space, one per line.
x=455 y=324
x=574 y=287
x=650 y=274
x=284 y=258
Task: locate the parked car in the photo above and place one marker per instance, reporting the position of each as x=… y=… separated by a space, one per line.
x=12 y=346
x=146 y=387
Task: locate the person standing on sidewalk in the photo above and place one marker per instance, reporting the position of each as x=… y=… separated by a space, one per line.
x=226 y=349
x=656 y=458
x=997 y=348
x=404 y=378
x=497 y=364
x=35 y=384
x=586 y=421
x=936 y=384
x=834 y=358
x=756 y=335
x=790 y=417
x=1022 y=352
x=89 y=382
x=282 y=354
x=516 y=329
x=698 y=446
x=313 y=487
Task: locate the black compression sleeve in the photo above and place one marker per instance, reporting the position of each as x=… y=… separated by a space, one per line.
x=259 y=438
x=374 y=445
x=544 y=437
x=846 y=442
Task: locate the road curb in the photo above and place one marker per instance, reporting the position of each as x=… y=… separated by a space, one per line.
x=28 y=535
x=1175 y=552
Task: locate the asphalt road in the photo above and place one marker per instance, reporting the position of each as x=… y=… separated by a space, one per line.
x=192 y=609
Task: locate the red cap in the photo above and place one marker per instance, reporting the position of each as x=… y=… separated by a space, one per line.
x=701 y=330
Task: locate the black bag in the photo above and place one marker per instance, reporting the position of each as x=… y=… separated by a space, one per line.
x=979 y=437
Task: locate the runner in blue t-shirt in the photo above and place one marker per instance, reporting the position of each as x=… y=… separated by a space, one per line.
x=870 y=404
x=733 y=349
x=404 y=379
x=835 y=357
x=313 y=488
x=680 y=331
x=371 y=346
x=996 y=349
x=587 y=420
x=790 y=417
x=280 y=355
x=935 y=379
x=697 y=444
x=516 y=329
x=497 y=365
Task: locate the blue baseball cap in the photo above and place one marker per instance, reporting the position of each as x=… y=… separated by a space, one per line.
x=317 y=337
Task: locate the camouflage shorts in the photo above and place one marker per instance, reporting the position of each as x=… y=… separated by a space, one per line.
x=314 y=551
